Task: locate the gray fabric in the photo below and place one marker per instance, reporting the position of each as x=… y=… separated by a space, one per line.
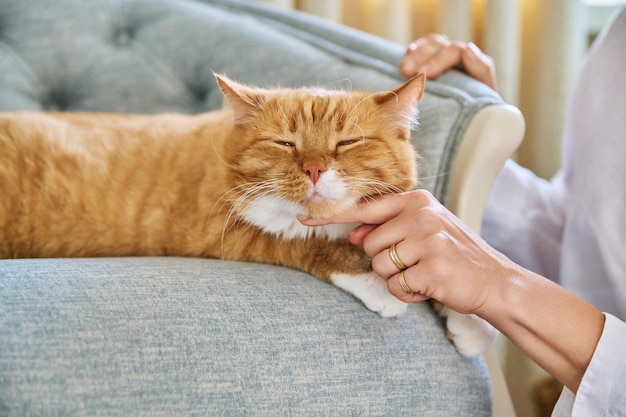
x=176 y=337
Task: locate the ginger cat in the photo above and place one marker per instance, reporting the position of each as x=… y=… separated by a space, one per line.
x=225 y=184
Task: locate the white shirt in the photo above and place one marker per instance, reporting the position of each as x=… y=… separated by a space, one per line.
x=572 y=229
x=601 y=392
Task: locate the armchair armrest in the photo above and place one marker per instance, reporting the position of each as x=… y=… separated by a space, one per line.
x=493 y=136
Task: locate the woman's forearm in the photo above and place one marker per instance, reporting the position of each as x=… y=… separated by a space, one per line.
x=553 y=327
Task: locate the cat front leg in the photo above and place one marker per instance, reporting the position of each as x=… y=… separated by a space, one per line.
x=470 y=334
x=348 y=267
x=372 y=291
x=329 y=258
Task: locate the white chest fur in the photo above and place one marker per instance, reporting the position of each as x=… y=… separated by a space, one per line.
x=278 y=216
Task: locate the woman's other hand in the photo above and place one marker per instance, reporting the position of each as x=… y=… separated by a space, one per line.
x=435 y=53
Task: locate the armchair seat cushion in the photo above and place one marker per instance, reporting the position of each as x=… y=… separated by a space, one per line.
x=176 y=336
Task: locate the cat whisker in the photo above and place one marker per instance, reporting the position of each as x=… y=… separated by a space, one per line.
x=225 y=199
x=347 y=82
x=232 y=212
x=282 y=110
x=220 y=156
x=254 y=191
x=379 y=187
x=429 y=177
x=356 y=125
x=355 y=107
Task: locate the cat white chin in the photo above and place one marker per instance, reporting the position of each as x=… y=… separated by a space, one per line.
x=278 y=216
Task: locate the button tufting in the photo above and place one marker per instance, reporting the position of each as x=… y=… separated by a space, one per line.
x=51 y=107
x=55 y=101
x=199 y=94
x=197 y=90
x=122 y=37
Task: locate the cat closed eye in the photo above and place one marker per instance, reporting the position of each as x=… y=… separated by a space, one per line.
x=285 y=143
x=348 y=142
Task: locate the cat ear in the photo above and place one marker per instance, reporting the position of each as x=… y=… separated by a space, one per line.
x=244 y=101
x=400 y=105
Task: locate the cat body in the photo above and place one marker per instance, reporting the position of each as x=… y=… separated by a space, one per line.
x=225 y=184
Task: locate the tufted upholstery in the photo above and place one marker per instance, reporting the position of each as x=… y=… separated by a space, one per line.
x=152 y=56
x=174 y=337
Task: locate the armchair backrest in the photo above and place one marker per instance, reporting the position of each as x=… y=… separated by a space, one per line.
x=160 y=56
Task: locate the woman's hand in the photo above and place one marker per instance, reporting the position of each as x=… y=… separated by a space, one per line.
x=434 y=54
x=446 y=260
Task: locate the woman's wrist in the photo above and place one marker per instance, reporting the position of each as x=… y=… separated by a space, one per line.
x=553 y=327
x=502 y=281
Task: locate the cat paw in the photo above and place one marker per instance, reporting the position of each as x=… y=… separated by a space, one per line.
x=470 y=334
x=372 y=291
x=388 y=306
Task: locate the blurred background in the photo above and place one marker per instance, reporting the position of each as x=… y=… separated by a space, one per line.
x=538 y=47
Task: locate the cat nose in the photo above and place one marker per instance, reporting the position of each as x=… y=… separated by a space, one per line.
x=314 y=169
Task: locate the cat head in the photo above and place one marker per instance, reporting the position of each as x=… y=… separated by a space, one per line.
x=316 y=151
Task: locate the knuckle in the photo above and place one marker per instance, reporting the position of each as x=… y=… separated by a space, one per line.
x=397 y=291
x=429 y=218
x=435 y=40
x=370 y=248
x=439 y=241
x=458 y=45
x=432 y=36
x=422 y=196
x=379 y=265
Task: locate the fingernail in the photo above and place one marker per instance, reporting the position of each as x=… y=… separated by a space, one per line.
x=472 y=50
x=407 y=68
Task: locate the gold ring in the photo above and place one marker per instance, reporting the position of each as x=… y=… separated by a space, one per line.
x=396 y=259
x=404 y=285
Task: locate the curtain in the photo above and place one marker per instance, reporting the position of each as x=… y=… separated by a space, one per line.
x=537 y=46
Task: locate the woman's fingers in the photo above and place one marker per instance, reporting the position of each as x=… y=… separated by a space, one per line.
x=479 y=65
x=445 y=58
x=422 y=55
x=374 y=211
x=405 y=252
x=399 y=291
x=434 y=54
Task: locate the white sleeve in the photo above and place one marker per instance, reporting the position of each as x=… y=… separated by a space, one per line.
x=601 y=391
x=524 y=217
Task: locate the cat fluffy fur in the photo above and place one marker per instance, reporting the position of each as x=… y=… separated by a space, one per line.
x=225 y=184
x=85 y=184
